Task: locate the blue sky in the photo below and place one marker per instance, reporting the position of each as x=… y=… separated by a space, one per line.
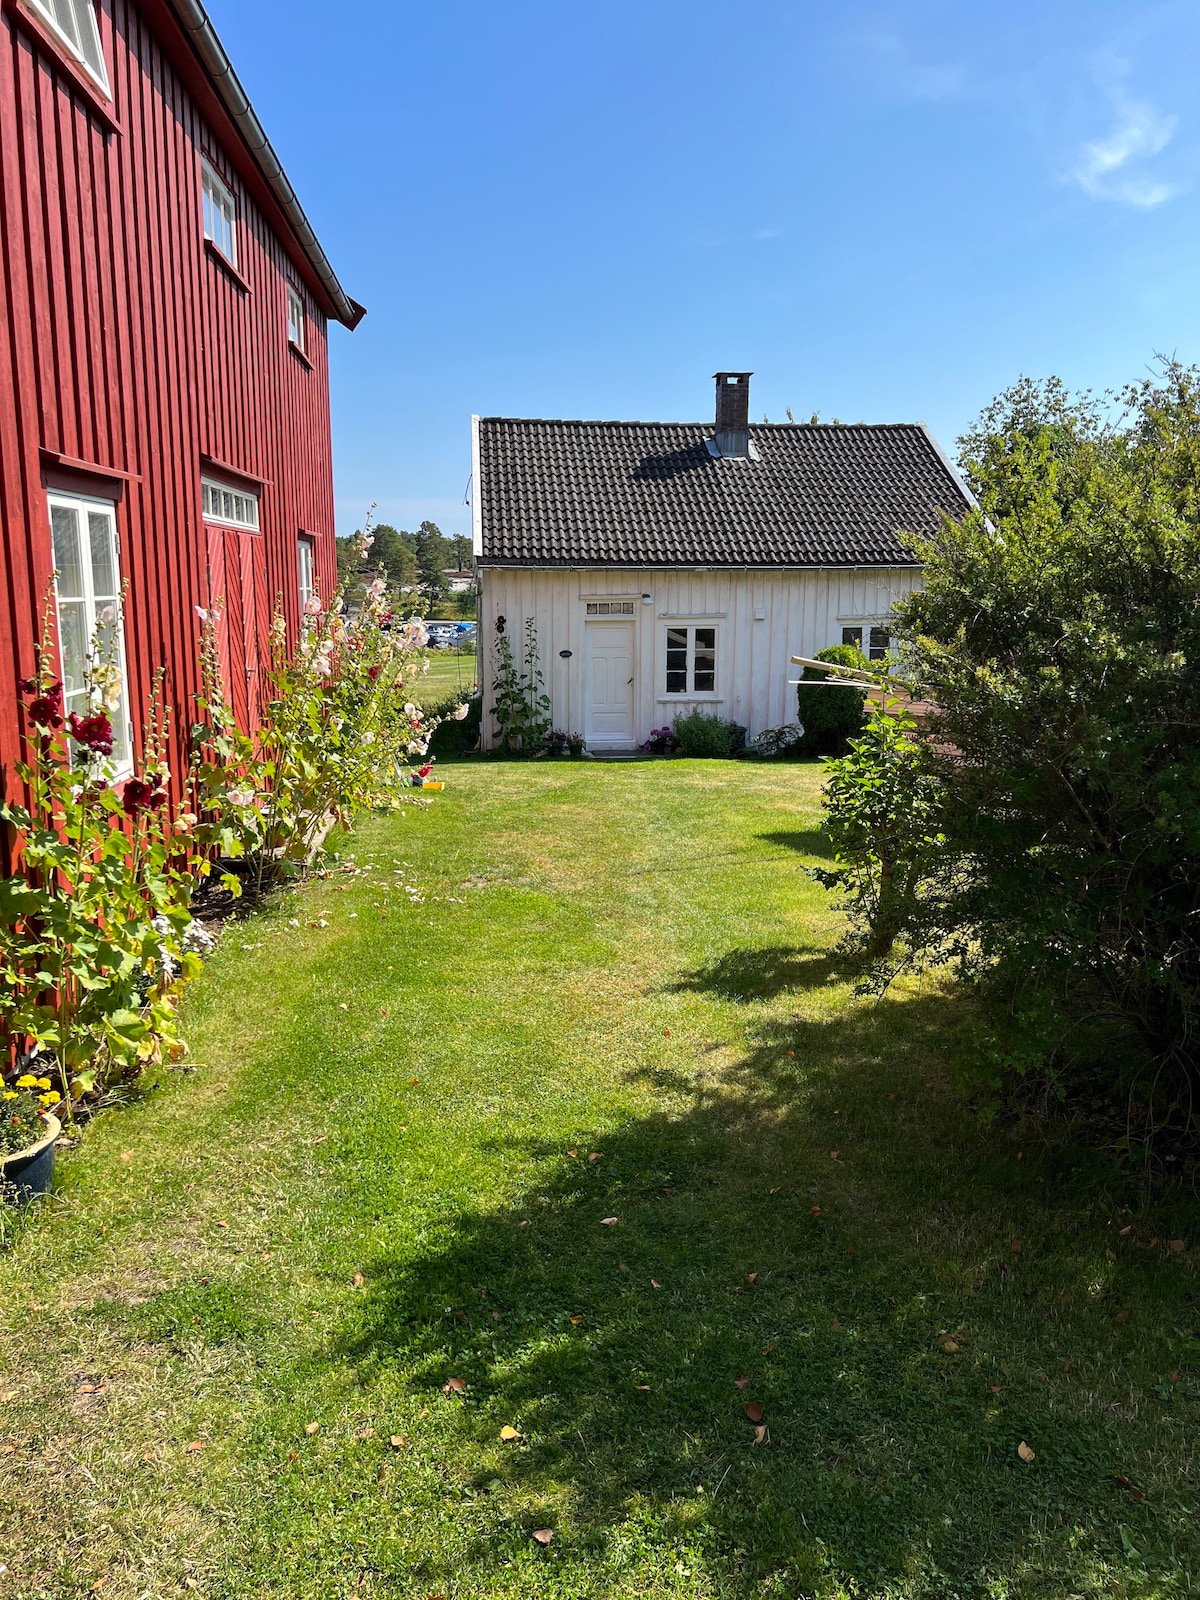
x=886 y=211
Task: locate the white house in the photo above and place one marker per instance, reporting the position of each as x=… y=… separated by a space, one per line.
x=669 y=565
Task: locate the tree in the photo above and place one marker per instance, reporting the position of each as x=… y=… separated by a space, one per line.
x=431 y=556
x=462 y=553
x=1058 y=635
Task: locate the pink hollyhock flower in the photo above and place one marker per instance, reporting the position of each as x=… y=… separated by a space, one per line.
x=312 y=606
x=460 y=712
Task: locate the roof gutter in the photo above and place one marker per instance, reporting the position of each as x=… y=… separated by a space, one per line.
x=194 y=20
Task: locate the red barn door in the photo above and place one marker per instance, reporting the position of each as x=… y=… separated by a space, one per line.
x=237 y=582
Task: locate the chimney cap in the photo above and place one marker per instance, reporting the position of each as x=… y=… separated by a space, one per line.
x=738 y=377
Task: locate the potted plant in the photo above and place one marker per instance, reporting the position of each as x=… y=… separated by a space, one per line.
x=575 y=744
x=28 y=1130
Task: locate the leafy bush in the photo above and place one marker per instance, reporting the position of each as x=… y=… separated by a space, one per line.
x=92 y=956
x=830 y=717
x=457 y=722
x=698 y=734
x=1057 y=635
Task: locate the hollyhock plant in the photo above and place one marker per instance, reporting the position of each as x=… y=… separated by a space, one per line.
x=94 y=733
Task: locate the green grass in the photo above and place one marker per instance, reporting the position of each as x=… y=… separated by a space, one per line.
x=622 y=960
x=448 y=674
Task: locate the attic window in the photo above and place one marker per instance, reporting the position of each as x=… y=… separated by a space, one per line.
x=74 y=21
x=610 y=608
x=220 y=213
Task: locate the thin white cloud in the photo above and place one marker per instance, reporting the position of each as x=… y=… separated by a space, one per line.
x=1114 y=168
x=887 y=59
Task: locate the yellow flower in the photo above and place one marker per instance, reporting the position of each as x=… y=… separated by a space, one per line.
x=27 y=1081
x=49 y=1099
x=10 y=1094
x=43 y=1083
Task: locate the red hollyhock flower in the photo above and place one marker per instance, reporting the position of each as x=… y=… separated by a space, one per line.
x=28 y=686
x=94 y=733
x=138 y=795
x=373 y=672
x=46 y=710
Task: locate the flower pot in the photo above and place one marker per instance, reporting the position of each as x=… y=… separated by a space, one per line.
x=27 y=1173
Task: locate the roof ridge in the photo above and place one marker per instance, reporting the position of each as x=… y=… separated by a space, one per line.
x=632 y=422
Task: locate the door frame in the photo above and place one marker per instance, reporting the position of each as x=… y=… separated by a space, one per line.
x=591 y=623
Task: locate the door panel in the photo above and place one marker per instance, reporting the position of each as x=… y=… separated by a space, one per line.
x=237 y=583
x=610 y=685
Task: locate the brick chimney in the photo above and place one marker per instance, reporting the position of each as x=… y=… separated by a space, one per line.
x=733 y=413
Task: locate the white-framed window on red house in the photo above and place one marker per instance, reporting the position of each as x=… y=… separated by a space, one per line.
x=306 y=577
x=91 y=628
x=296 y=318
x=75 y=23
x=220 y=212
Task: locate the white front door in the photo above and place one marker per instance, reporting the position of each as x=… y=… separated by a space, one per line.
x=610 y=684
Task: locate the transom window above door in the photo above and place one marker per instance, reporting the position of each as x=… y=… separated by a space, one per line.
x=691 y=660
x=91 y=629
x=235 y=507
x=610 y=608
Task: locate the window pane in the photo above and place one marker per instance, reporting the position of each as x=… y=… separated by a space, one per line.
x=881 y=640
x=104 y=566
x=74 y=637
x=87 y=35
x=65 y=17
x=852 y=636
x=64 y=524
x=676 y=680
x=706 y=639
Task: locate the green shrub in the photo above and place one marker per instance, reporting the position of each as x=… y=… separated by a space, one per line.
x=830 y=717
x=455 y=735
x=698 y=734
x=1057 y=635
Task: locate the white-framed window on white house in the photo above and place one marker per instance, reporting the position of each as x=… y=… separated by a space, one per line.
x=91 y=629
x=76 y=24
x=306 y=575
x=691 y=660
x=879 y=641
x=220 y=212
x=236 y=508
x=610 y=608
x=296 y=318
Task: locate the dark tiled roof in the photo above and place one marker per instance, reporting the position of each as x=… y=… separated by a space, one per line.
x=649 y=493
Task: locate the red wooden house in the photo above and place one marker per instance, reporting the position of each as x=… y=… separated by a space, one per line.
x=164 y=384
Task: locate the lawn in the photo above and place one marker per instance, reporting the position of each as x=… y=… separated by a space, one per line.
x=448 y=674
x=266 y=1337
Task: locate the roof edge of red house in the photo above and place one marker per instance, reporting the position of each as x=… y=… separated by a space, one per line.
x=217 y=86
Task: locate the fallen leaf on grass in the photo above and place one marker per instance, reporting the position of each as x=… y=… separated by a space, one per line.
x=751 y=1279
x=949 y=1345
x=654 y=1283
x=1015 y=1247
x=1023 y=1450
x=837 y=1327
x=833 y=1155
x=9 y=1394
x=643 y=1388
x=358 y=1280
x=194 y=1448
x=666 y=1033
x=413 y=1082
x=1176 y=1246
x=321 y=1138
x=366 y=1433
x=767 y=1349
x=508 y=1433
x=775 y=1190
x=741 y=1383
x=222 y=1224
x=754 y=1411
x=543 y=1535
x=1068 y=1363
x=1111 y=1254
x=595 y=1155
x=1127 y=1229
x=816 y=1210
x=84 y=1388
x=997 y=1388
x=292 y=1456
x=454 y=1386
x=608 y=1222
x=312 y=1427
x=7 y=1449
x=398 y=1441
x=126 y=1155
x=572 y=1152
x=1175 y=1377
x=1128 y=1484
x=342 y=1006
x=1123 y=1315
x=576 y=1320
x=760 y=1434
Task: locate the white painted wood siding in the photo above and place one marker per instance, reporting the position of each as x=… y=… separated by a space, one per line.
x=802 y=612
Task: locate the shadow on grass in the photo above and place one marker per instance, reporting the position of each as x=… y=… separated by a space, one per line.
x=763 y=972
x=802 y=1236
x=804 y=841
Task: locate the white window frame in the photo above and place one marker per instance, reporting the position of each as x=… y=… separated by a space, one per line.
x=868 y=629
x=216 y=193
x=82 y=15
x=689 y=691
x=228 y=507
x=297 y=318
x=306 y=571
x=120 y=763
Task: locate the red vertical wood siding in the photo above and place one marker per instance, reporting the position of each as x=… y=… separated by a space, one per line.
x=127 y=345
